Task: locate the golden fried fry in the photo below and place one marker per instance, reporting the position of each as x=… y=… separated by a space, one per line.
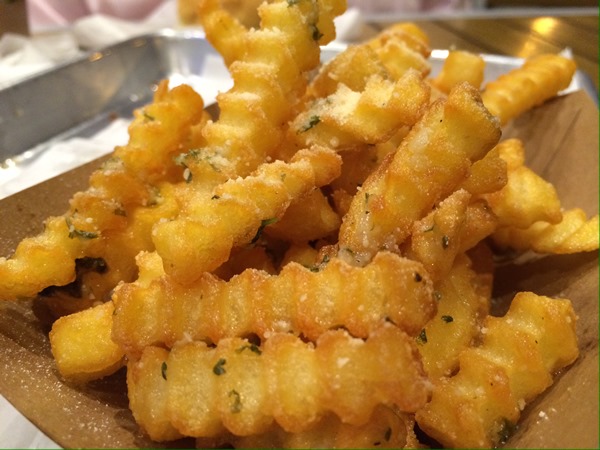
x=460 y=66
x=267 y=84
x=232 y=214
x=390 y=55
x=487 y=175
x=147 y=392
x=158 y=131
x=435 y=239
x=575 y=233
x=234 y=385
x=430 y=163
x=537 y=80
x=461 y=310
x=105 y=222
x=401 y=47
x=347 y=118
x=358 y=164
x=387 y=428
x=478 y=407
x=223 y=30
x=307 y=219
x=351 y=67
x=526 y=198
x=82 y=345
x=310 y=301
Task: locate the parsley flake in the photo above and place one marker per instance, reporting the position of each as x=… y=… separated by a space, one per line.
x=314 y=120
x=422 y=337
x=252 y=347
x=76 y=233
x=219 y=368
x=264 y=223
x=236 y=405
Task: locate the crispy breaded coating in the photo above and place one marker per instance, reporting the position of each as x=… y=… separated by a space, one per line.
x=430 y=163
x=478 y=407
x=527 y=197
x=211 y=223
x=106 y=223
x=462 y=307
x=575 y=233
x=245 y=388
x=267 y=84
x=222 y=29
x=347 y=118
x=301 y=300
x=402 y=46
x=387 y=428
x=460 y=66
x=537 y=80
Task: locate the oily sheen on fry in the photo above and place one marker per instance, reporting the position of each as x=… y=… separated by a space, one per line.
x=158 y=311
x=243 y=388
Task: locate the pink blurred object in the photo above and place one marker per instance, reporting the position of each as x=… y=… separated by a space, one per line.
x=128 y=10
x=412 y=6
x=51 y=14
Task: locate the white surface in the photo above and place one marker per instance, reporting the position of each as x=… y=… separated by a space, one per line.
x=18 y=432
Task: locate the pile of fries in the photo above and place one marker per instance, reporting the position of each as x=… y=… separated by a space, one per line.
x=314 y=267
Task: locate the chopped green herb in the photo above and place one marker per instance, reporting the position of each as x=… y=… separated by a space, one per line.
x=81 y=234
x=388 y=434
x=219 y=368
x=422 y=337
x=120 y=212
x=314 y=120
x=507 y=428
x=148 y=117
x=437 y=295
x=215 y=197
x=236 y=405
x=252 y=347
x=448 y=319
x=163 y=369
x=316 y=33
x=263 y=224
x=292 y=2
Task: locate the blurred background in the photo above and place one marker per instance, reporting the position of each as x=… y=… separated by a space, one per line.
x=33 y=16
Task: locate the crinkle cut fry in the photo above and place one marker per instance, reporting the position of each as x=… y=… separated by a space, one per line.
x=224 y=31
x=201 y=238
x=346 y=119
x=387 y=428
x=304 y=301
x=404 y=46
x=575 y=233
x=478 y=407
x=539 y=79
x=461 y=310
x=268 y=84
x=244 y=388
x=429 y=164
x=526 y=198
x=104 y=212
